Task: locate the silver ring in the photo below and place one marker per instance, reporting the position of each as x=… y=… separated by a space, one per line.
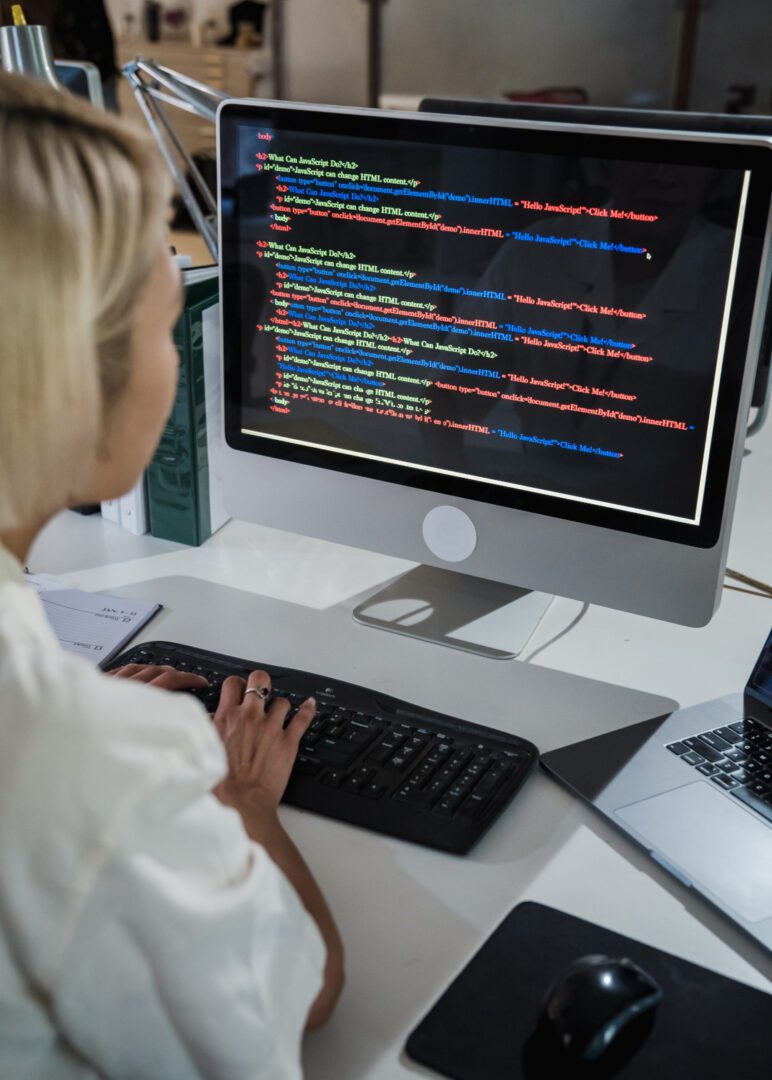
x=261 y=691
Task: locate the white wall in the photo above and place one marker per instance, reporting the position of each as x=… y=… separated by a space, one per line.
x=326 y=52
x=621 y=51
x=610 y=48
x=734 y=46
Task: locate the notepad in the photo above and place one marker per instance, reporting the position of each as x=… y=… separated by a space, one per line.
x=92 y=625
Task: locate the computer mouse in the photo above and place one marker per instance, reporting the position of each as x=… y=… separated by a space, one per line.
x=594 y=1002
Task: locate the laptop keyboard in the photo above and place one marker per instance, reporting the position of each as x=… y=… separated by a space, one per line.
x=373 y=760
x=737 y=758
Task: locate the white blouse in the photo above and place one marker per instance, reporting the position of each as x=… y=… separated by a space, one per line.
x=142 y=934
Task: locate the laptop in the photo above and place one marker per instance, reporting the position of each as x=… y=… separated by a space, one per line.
x=694 y=789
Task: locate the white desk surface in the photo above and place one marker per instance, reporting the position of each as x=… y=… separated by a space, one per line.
x=412 y=918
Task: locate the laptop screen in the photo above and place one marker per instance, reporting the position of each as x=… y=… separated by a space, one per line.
x=758 y=691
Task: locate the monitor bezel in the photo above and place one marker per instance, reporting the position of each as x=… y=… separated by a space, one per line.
x=672 y=146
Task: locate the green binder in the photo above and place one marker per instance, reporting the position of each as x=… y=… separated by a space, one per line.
x=182 y=499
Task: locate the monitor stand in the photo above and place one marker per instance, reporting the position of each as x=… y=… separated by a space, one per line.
x=463 y=612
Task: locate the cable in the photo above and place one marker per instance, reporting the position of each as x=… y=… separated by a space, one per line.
x=576 y=619
x=750 y=592
x=761 y=587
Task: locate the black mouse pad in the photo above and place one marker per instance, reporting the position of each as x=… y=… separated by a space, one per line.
x=482 y=1028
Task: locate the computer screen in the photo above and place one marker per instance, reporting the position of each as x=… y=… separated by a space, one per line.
x=547 y=322
x=742 y=124
x=82 y=79
x=758 y=690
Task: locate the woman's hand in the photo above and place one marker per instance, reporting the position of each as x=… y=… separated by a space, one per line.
x=168 y=678
x=261 y=753
x=260 y=750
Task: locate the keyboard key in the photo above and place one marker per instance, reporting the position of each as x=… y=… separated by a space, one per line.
x=754 y=802
x=727 y=733
x=735 y=755
x=458 y=759
x=677 y=748
x=739 y=727
x=305 y=766
x=356 y=780
x=364 y=723
x=438 y=786
x=725 y=782
x=410 y=793
x=361 y=736
x=707 y=770
x=714 y=740
x=468 y=777
x=692 y=758
x=422 y=775
x=447 y=805
x=491 y=780
x=459 y=790
x=373 y=791
x=399 y=763
x=472 y=806
x=439 y=753
x=381 y=753
x=704 y=749
x=334 y=777
x=334 y=751
x=478 y=765
x=447 y=774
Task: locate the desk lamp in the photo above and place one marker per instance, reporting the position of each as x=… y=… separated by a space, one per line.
x=26 y=50
x=154 y=84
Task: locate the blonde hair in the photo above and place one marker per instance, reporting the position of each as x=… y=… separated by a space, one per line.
x=83 y=199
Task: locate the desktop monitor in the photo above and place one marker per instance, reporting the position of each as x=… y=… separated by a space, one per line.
x=655 y=119
x=82 y=79
x=517 y=351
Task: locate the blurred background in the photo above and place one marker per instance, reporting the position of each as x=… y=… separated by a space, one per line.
x=698 y=55
x=621 y=52
x=615 y=52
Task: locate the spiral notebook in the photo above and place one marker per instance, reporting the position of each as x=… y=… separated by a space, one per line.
x=95 y=626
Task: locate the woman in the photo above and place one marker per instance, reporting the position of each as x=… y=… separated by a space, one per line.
x=148 y=927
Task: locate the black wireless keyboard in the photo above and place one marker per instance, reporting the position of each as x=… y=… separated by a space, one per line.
x=373 y=760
